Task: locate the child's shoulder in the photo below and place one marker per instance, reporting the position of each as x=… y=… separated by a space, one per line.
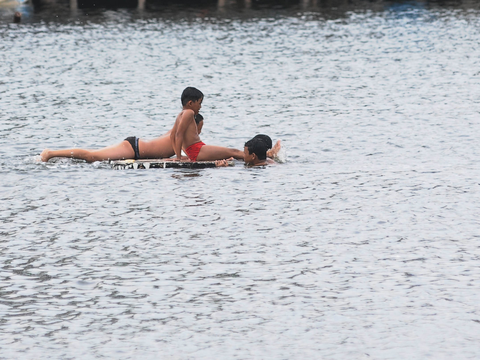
x=187 y=113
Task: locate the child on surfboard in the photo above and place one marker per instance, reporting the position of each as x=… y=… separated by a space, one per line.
x=130 y=148
x=185 y=134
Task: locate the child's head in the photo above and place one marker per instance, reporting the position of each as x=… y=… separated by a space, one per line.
x=266 y=138
x=191 y=94
x=198 y=118
x=199 y=121
x=255 y=149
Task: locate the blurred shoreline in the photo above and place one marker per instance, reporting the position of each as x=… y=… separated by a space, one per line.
x=333 y=8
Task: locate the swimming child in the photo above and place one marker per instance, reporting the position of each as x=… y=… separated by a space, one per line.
x=255 y=152
x=130 y=148
x=271 y=153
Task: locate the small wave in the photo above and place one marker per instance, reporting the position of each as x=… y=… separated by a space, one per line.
x=33 y=159
x=281 y=156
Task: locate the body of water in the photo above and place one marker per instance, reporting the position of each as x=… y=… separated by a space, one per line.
x=362 y=244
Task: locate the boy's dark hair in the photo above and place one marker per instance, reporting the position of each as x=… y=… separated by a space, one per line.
x=191 y=93
x=258 y=147
x=198 y=118
x=266 y=138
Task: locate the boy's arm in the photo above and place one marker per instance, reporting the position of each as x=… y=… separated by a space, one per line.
x=181 y=129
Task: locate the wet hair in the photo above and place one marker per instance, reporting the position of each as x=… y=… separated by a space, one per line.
x=258 y=147
x=191 y=93
x=198 y=118
x=266 y=138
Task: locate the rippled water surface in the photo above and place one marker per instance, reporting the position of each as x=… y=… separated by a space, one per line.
x=362 y=244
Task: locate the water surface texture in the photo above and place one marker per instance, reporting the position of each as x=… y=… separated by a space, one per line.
x=362 y=244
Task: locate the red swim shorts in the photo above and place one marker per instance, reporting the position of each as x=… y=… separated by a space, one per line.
x=193 y=150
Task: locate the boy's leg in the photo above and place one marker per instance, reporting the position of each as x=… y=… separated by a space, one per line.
x=119 y=151
x=211 y=152
x=115 y=152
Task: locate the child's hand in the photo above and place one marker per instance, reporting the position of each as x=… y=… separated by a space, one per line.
x=222 y=163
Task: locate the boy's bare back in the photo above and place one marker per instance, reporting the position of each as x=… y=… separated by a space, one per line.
x=185 y=130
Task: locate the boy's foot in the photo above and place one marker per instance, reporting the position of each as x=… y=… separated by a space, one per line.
x=45 y=155
x=272 y=153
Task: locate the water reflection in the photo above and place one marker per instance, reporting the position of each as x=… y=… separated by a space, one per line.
x=183 y=175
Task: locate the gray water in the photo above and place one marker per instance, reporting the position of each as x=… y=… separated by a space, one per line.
x=362 y=244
